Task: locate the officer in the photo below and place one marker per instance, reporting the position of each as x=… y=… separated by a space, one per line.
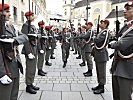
x=10 y=61
x=101 y=55
x=87 y=48
x=30 y=52
x=65 y=46
x=41 y=47
x=122 y=66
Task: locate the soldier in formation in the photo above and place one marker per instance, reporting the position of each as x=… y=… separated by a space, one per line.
x=41 y=48
x=100 y=54
x=30 y=52
x=10 y=62
x=122 y=66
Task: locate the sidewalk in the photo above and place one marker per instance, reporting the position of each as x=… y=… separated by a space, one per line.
x=66 y=83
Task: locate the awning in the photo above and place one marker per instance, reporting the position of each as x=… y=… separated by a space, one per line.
x=112 y=14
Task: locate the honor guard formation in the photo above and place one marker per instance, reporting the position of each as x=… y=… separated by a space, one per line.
x=90 y=45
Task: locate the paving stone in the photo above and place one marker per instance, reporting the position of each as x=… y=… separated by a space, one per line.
x=27 y=96
x=66 y=73
x=44 y=86
x=91 y=96
x=79 y=87
x=71 y=96
x=61 y=87
x=50 y=95
x=107 y=96
x=53 y=74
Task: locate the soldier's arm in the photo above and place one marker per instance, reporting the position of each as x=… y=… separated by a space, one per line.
x=2 y=68
x=123 y=43
x=101 y=38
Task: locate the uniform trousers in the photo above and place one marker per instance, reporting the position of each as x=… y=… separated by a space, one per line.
x=40 y=60
x=10 y=91
x=30 y=70
x=101 y=72
x=122 y=88
x=89 y=60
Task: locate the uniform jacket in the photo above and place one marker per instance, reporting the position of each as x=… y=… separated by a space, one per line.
x=87 y=46
x=100 y=55
x=21 y=38
x=124 y=68
x=28 y=48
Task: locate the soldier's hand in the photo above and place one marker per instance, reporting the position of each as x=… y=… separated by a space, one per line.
x=5 y=80
x=31 y=56
x=41 y=51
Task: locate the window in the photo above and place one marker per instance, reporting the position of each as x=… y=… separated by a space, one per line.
x=35 y=10
x=22 y=16
x=22 y=0
x=71 y=1
x=32 y=6
x=15 y=13
x=65 y=1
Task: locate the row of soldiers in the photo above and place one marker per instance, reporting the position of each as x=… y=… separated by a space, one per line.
x=37 y=43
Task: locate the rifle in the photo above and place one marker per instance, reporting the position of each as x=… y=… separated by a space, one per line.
x=117 y=29
x=98 y=24
x=2 y=37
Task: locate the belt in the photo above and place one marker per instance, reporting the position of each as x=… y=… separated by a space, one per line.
x=123 y=59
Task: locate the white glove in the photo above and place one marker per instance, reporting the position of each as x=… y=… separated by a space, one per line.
x=5 y=80
x=50 y=48
x=41 y=51
x=31 y=56
x=112 y=42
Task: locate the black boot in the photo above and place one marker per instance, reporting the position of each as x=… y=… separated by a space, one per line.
x=30 y=90
x=41 y=73
x=52 y=57
x=88 y=73
x=64 y=65
x=35 y=87
x=82 y=64
x=95 y=88
x=79 y=57
x=48 y=64
x=99 y=90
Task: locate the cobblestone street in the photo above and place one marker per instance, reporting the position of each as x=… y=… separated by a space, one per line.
x=66 y=83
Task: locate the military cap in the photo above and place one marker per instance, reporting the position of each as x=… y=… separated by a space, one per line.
x=41 y=23
x=6 y=6
x=130 y=3
x=84 y=27
x=90 y=23
x=32 y=35
x=105 y=21
x=29 y=13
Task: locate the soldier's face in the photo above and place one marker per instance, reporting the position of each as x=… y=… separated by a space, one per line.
x=103 y=25
x=7 y=14
x=128 y=13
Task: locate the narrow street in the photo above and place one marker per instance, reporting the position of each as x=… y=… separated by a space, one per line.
x=66 y=83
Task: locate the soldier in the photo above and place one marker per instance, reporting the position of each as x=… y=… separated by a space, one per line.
x=87 y=48
x=82 y=45
x=101 y=55
x=65 y=46
x=30 y=52
x=48 y=47
x=41 y=48
x=10 y=61
x=122 y=66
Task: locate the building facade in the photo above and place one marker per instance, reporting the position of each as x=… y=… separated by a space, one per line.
x=97 y=7
x=19 y=7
